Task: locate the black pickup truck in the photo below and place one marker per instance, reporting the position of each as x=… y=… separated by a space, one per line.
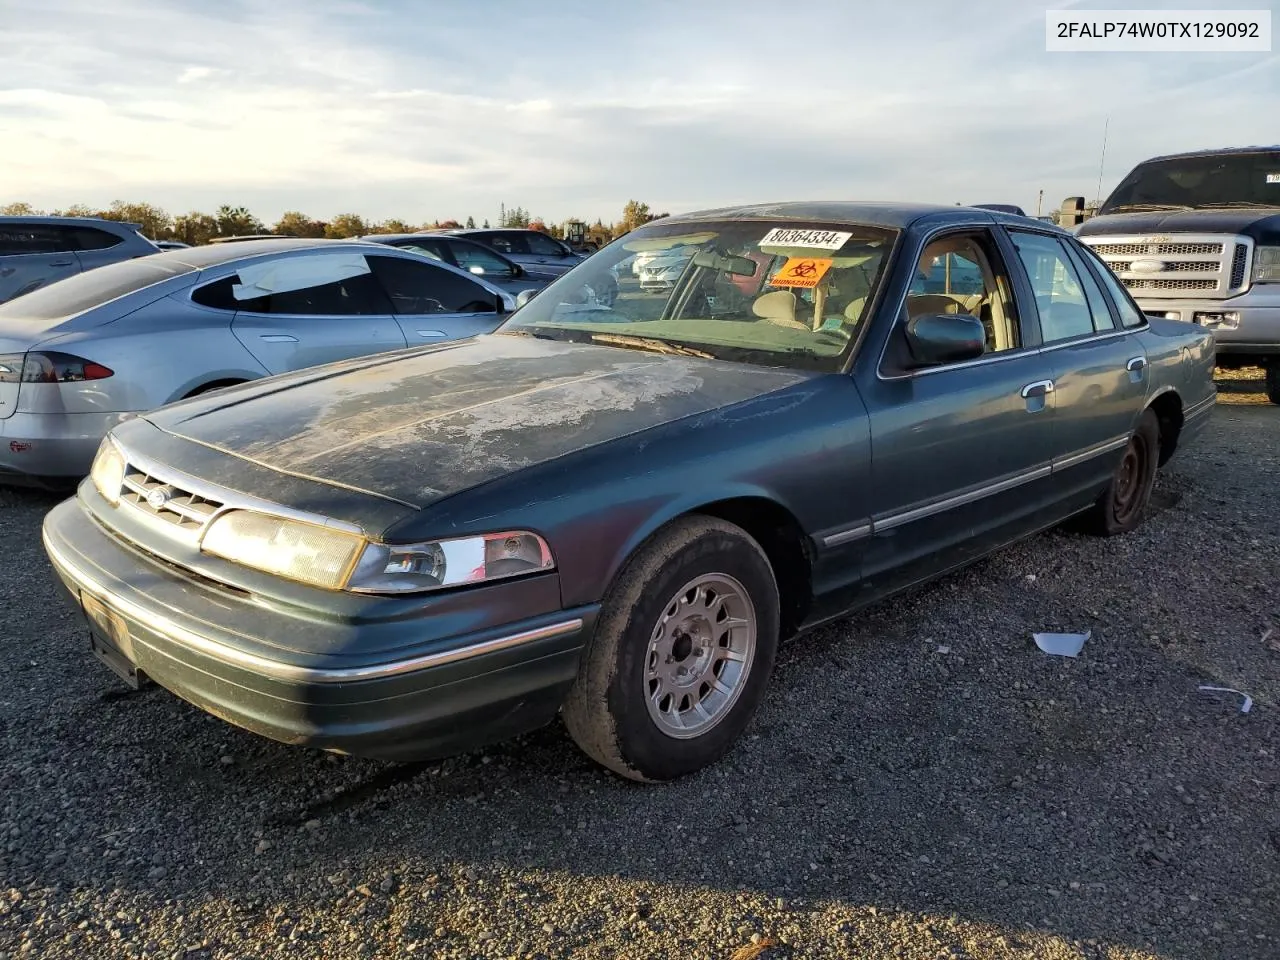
x=1196 y=237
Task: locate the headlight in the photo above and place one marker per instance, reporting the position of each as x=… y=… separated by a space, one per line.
x=107 y=472
x=307 y=552
x=1266 y=265
x=402 y=568
x=337 y=560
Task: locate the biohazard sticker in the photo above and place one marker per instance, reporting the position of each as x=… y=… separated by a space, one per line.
x=817 y=239
x=804 y=272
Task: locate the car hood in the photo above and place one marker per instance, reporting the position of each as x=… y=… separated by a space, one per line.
x=1260 y=223
x=421 y=426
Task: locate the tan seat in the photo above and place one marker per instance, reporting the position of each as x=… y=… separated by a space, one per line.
x=779 y=307
x=926 y=304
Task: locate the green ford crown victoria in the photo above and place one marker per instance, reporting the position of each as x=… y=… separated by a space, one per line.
x=615 y=507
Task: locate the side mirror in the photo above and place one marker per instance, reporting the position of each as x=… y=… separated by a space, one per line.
x=935 y=339
x=517 y=271
x=524 y=296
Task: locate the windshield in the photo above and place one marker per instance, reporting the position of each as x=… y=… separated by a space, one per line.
x=1224 y=180
x=753 y=291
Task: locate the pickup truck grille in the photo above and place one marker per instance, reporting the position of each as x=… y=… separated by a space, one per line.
x=1206 y=267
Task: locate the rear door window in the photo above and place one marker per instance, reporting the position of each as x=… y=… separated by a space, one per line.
x=1130 y=315
x=422 y=288
x=18 y=239
x=330 y=285
x=467 y=255
x=544 y=246
x=1060 y=298
x=507 y=242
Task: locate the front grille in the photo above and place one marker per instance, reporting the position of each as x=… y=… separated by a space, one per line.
x=1134 y=283
x=1196 y=266
x=1238 y=265
x=166 y=501
x=1156 y=249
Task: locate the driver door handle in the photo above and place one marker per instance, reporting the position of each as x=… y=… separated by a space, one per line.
x=1039 y=388
x=1136 y=365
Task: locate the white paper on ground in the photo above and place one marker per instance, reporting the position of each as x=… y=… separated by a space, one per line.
x=1245 y=707
x=1062 y=644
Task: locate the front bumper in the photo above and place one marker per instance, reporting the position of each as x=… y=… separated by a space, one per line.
x=439 y=696
x=39 y=448
x=1255 y=331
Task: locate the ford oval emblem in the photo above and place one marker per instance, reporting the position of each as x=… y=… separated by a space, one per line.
x=157 y=498
x=1146 y=266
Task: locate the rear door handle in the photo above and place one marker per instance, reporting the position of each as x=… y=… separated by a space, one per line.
x=278 y=338
x=1136 y=365
x=61 y=263
x=1039 y=388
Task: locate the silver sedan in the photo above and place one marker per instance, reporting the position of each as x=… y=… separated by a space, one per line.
x=81 y=355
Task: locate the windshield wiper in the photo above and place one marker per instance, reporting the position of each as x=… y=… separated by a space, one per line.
x=1121 y=207
x=647 y=343
x=1226 y=204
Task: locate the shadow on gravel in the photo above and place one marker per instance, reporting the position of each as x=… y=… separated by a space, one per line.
x=922 y=763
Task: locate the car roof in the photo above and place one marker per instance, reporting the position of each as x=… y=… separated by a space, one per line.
x=72 y=221
x=419 y=235
x=210 y=255
x=890 y=214
x=1213 y=152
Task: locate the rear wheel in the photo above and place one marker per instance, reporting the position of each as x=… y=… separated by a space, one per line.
x=682 y=654
x=1273 y=382
x=1123 y=503
x=210 y=387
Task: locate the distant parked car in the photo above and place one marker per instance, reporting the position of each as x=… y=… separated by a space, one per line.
x=529 y=248
x=82 y=355
x=472 y=256
x=36 y=251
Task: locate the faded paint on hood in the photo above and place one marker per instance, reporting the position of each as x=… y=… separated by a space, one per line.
x=433 y=423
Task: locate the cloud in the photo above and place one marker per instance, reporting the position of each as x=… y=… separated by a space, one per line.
x=329 y=106
x=192 y=74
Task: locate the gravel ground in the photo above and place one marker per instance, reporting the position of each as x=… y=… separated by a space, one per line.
x=922 y=782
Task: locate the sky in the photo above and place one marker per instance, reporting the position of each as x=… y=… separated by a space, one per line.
x=435 y=109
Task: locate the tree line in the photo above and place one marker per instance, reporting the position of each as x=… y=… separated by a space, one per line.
x=197 y=227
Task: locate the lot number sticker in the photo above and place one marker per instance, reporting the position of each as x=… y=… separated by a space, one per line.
x=817 y=239
x=804 y=272
x=1273 y=178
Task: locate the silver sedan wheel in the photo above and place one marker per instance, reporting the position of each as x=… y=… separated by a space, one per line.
x=699 y=656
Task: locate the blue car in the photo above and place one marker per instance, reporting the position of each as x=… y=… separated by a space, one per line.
x=615 y=511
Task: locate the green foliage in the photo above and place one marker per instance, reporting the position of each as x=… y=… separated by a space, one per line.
x=346 y=225
x=294 y=223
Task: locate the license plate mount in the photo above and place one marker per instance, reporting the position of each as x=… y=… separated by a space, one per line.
x=110 y=641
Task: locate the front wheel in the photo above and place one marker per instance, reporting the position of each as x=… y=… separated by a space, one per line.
x=682 y=654
x=1123 y=503
x=1273 y=382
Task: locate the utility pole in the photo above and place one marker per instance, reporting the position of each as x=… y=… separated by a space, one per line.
x=1039 y=202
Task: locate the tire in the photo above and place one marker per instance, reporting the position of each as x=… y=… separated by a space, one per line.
x=655 y=653
x=1273 y=383
x=1123 y=504
x=211 y=387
